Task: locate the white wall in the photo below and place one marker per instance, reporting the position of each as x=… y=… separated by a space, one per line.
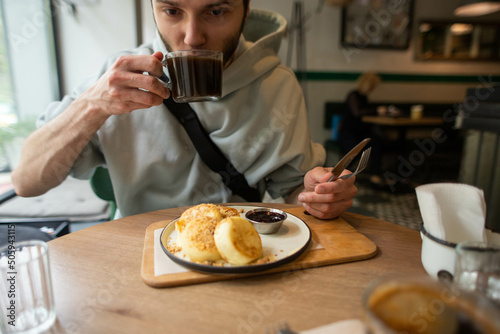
x=148 y=24
x=98 y=29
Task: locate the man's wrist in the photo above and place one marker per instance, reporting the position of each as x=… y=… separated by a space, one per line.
x=91 y=112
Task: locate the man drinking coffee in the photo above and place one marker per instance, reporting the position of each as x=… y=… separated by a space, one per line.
x=117 y=119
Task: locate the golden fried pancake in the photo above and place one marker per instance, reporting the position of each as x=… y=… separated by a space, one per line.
x=197 y=239
x=227 y=212
x=237 y=241
x=197 y=212
x=196 y=228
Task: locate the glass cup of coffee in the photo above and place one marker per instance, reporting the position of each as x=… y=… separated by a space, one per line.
x=421 y=305
x=195 y=75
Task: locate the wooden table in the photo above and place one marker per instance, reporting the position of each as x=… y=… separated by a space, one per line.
x=96 y=274
x=403 y=123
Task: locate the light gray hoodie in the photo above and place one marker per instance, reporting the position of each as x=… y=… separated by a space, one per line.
x=260 y=124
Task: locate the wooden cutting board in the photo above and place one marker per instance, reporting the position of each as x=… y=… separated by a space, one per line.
x=340 y=243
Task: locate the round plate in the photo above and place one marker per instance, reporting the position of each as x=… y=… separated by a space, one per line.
x=284 y=246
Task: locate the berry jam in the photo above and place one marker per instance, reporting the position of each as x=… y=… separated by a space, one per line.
x=266 y=217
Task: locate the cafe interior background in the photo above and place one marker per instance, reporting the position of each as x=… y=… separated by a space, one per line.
x=48 y=47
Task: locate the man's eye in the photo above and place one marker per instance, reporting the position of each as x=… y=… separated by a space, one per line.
x=217 y=12
x=171 y=11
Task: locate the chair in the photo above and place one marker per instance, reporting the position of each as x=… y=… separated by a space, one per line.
x=332 y=120
x=100 y=182
x=44 y=229
x=43 y=218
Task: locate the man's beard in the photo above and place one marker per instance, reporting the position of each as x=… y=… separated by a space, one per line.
x=229 y=45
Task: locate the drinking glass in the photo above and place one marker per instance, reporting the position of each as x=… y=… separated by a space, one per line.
x=26 y=298
x=477 y=268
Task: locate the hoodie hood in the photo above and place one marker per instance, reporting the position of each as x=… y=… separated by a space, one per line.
x=257 y=50
x=265 y=29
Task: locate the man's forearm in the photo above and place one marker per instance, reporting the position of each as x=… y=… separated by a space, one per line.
x=50 y=151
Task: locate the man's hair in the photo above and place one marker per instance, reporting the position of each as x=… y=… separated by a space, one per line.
x=245 y=5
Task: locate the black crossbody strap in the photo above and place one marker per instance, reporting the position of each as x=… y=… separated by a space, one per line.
x=210 y=153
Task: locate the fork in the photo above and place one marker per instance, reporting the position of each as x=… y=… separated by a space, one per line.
x=363 y=162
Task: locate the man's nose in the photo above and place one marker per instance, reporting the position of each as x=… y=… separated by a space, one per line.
x=194 y=34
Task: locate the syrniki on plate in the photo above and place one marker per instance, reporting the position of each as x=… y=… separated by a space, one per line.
x=210 y=233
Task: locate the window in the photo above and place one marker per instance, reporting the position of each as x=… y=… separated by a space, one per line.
x=28 y=71
x=6 y=94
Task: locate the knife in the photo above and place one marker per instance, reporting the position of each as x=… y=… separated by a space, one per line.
x=346 y=160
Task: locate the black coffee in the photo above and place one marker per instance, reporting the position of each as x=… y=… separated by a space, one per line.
x=195 y=78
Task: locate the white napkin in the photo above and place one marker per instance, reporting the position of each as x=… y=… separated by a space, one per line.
x=351 y=326
x=452 y=211
x=163 y=264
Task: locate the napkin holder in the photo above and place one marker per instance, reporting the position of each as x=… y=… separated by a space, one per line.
x=447 y=222
x=438 y=256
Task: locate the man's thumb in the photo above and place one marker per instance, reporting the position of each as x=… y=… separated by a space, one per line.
x=158 y=55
